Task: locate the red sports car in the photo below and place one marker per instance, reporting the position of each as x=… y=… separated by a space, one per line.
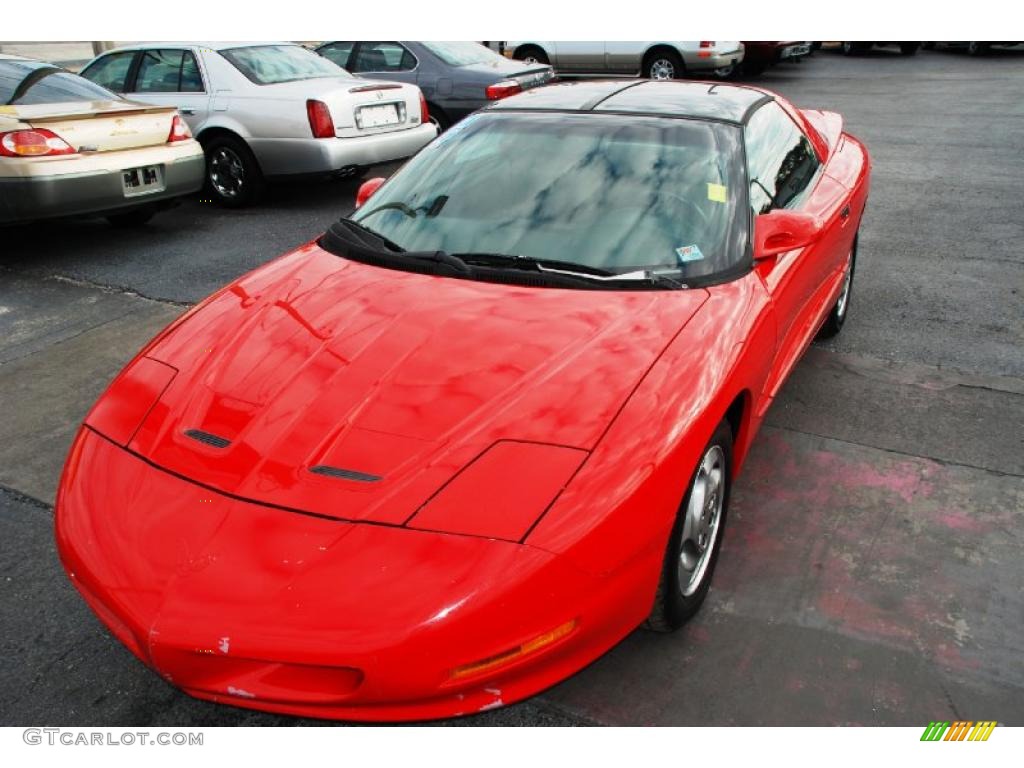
x=466 y=441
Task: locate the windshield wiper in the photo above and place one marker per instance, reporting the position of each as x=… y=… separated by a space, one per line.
x=569 y=268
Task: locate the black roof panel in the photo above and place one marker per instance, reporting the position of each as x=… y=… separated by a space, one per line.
x=709 y=101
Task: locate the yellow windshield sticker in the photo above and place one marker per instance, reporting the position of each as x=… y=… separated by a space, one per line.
x=6 y=110
x=716 y=192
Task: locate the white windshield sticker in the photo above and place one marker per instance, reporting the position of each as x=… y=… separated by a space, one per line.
x=688 y=253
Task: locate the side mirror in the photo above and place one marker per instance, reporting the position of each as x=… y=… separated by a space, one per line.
x=366 y=190
x=780 y=230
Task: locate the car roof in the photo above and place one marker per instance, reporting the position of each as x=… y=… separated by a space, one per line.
x=692 y=99
x=217 y=46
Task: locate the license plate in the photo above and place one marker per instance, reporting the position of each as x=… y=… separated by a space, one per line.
x=377 y=115
x=795 y=50
x=142 y=181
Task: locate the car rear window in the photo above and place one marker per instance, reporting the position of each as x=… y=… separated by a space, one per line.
x=36 y=82
x=461 y=54
x=269 y=64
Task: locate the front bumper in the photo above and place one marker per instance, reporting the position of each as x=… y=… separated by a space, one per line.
x=294 y=157
x=31 y=197
x=275 y=610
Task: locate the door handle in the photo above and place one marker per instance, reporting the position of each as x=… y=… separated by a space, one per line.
x=192 y=112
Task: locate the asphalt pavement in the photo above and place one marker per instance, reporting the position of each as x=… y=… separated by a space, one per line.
x=871 y=570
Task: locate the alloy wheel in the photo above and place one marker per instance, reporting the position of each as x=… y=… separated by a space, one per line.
x=702 y=520
x=227 y=172
x=662 y=69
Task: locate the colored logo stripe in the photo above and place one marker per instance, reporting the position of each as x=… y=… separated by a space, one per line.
x=959 y=730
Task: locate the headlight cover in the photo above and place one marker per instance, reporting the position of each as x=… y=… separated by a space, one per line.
x=121 y=410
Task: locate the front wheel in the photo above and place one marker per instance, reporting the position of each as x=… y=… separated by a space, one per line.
x=531 y=54
x=696 y=537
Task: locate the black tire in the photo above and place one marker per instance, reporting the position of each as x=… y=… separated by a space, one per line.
x=230 y=165
x=834 y=323
x=439 y=118
x=928 y=46
x=532 y=53
x=850 y=48
x=975 y=48
x=909 y=49
x=130 y=219
x=672 y=608
x=666 y=64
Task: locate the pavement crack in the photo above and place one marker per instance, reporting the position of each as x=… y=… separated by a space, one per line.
x=24 y=498
x=82 y=332
x=895 y=451
x=119 y=289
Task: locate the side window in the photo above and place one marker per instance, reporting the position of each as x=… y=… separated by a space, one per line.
x=338 y=52
x=780 y=160
x=110 y=71
x=168 y=71
x=383 y=57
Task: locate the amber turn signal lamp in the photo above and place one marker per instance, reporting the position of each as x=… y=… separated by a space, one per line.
x=514 y=654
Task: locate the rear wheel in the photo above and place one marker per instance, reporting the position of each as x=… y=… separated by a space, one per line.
x=233 y=176
x=696 y=537
x=836 y=318
x=531 y=54
x=663 y=64
x=438 y=118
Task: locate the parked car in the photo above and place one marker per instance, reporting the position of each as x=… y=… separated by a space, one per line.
x=759 y=55
x=477 y=433
x=973 y=47
x=69 y=147
x=456 y=78
x=853 y=47
x=654 y=60
x=264 y=111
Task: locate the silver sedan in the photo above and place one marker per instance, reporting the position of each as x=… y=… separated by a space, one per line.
x=657 y=60
x=269 y=110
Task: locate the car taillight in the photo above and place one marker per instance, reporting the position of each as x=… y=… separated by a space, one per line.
x=424 y=110
x=37 y=142
x=707 y=43
x=503 y=89
x=704 y=53
x=179 y=130
x=320 y=119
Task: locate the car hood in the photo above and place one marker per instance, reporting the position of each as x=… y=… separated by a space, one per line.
x=315 y=360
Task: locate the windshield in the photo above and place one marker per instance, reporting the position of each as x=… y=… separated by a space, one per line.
x=269 y=64
x=461 y=54
x=35 y=82
x=600 y=191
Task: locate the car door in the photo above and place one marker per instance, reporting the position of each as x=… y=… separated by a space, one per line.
x=171 y=77
x=623 y=56
x=785 y=172
x=579 y=56
x=384 y=60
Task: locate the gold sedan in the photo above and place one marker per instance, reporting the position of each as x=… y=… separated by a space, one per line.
x=69 y=147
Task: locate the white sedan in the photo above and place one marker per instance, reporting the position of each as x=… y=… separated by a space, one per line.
x=270 y=110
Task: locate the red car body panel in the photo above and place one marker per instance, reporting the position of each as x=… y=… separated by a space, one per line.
x=520 y=457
